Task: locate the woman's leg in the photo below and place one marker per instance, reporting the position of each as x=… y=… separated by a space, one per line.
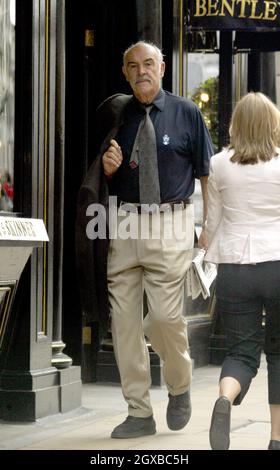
x=230 y=388
x=275 y=422
x=272 y=351
x=241 y=313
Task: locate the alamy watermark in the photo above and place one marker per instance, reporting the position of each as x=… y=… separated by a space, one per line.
x=123 y=222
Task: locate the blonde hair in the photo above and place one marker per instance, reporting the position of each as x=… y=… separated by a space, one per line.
x=254 y=129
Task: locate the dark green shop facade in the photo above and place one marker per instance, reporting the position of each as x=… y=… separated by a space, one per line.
x=68 y=57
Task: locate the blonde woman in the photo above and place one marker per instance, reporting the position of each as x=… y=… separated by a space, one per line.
x=243 y=230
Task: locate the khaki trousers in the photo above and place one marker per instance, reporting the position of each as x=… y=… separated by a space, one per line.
x=159 y=266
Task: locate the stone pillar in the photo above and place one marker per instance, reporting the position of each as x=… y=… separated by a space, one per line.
x=262 y=73
x=225 y=86
x=59 y=359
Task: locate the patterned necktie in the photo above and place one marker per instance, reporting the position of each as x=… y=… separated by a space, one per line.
x=144 y=154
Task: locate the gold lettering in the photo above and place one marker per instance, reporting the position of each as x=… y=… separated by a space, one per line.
x=213 y=5
x=253 y=10
x=243 y=7
x=200 y=8
x=226 y=5
x=270 y=7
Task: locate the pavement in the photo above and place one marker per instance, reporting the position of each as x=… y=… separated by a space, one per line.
x=103 y=408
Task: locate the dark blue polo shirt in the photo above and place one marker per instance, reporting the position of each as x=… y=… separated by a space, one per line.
x=184 y=148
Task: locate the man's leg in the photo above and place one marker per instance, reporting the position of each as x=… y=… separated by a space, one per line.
x=126 y=299
x=166 y=328
x=166 y=262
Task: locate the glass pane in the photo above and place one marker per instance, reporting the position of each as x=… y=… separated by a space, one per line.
x=203 y=73
x=7 y=102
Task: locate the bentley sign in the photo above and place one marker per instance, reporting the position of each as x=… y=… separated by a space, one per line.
x=263 y=15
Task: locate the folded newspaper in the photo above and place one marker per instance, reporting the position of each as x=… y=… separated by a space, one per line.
x=200 y=276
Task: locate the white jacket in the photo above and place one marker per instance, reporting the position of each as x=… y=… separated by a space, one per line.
x=243 y=224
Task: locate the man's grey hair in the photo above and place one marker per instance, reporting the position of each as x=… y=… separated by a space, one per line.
x=145 y=43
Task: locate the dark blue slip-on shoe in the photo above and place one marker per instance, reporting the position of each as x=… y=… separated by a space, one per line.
x=134 y=427
x=220 y=424
x=274 y=445
x=179 y=411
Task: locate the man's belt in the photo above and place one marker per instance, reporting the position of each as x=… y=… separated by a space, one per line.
x=154 y=208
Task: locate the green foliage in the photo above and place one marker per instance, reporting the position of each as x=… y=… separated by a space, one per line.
x=209 y=108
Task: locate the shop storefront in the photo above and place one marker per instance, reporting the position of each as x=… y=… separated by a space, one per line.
x=59 y=59
x=229 y=48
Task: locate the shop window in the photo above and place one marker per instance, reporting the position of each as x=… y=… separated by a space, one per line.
x=7 y=100
x=202 y=88
x=202 y=41
x=203 y=73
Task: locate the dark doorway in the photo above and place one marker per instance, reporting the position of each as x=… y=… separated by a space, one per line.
x=97 y=33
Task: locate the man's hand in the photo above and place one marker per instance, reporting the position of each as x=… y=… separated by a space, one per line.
x=112 y=159
x=202 y=241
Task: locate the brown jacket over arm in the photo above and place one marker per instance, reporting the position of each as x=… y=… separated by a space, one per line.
x=91 y=255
